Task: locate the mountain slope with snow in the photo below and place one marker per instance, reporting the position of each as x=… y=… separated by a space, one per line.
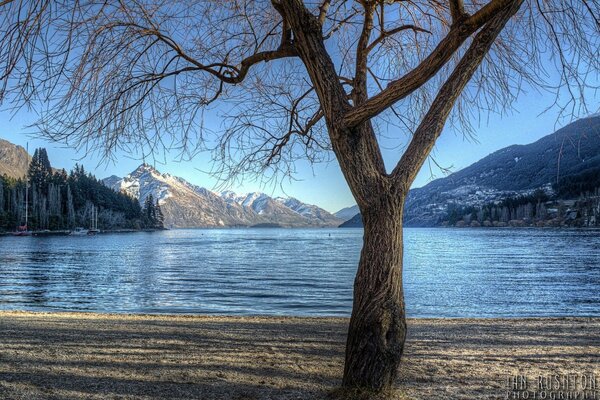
x=309 y=211
x=189 y=206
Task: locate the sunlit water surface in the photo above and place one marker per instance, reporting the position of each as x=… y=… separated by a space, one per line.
x=447 y=272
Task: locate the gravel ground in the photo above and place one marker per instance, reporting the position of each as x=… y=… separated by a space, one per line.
x=106 y=356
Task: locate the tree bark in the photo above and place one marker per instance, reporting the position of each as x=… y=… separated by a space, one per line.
x=378 y=325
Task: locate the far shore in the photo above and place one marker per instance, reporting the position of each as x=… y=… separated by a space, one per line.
x=64 y=232
x=113 y=356
x=508 y=227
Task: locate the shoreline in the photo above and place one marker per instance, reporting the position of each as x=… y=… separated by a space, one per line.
x=342 y=228
x=71 y=313
x=77 y=355
x=64 y=232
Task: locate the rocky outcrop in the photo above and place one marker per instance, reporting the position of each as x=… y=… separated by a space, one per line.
x=14 y=160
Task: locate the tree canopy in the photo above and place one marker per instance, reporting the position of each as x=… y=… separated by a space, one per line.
x=142 y=75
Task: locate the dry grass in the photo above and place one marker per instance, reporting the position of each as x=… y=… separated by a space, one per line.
x=100 y=356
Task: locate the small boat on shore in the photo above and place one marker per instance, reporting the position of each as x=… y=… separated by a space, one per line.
x=79 y=231
x=22 y=231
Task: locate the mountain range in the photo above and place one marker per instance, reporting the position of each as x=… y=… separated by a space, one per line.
x=185 y=205
x=515 y=170
x=571 y=152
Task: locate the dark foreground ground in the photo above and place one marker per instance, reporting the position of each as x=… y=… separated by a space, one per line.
x=99 y=356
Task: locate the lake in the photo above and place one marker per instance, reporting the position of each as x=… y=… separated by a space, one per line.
x=305 y=272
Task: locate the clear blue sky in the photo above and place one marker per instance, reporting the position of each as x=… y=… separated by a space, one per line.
x=322 y=184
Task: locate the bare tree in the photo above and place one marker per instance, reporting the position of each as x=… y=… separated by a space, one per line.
x=298 y=80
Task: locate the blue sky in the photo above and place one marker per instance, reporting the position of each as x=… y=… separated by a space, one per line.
x=322 y=184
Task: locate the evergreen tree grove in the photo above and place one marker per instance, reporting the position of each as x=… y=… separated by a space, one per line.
x=58 y=201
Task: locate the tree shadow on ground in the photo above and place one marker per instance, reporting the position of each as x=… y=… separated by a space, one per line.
x=61 y=357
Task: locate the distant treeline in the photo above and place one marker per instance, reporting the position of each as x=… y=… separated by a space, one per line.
x=575 y=203
x=511 y=208
x=586 y=181
x=60 y=201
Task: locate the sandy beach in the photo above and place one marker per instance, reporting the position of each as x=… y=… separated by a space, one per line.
x=108 y=356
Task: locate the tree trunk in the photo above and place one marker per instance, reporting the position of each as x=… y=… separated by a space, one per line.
x=378 y=325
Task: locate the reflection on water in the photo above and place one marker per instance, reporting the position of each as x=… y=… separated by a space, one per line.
x=447 y=272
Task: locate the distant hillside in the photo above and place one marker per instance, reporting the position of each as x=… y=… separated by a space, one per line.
x=185 y=205
x=354 y=222
x=14 y=160
x=518 y=170
x=347 y=213
x=520 y=167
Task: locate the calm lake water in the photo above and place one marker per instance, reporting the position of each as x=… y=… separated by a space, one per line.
x=447 y=273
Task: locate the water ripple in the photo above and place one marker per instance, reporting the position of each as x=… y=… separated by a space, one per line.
x=447 y=272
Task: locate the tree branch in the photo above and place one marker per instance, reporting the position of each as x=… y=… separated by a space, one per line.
x=414 y=79
x=286 y=49
x=385 y=34
x=432 y=124
x=457 y=11
x=360 y=73
x=323 y=11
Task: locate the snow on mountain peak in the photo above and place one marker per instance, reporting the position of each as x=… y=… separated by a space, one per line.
x=144 y=168
x=189 y=205
x=142 y=182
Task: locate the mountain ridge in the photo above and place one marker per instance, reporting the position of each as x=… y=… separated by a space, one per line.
x=186 y=205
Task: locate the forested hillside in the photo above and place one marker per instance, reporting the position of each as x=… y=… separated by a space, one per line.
x=60 y=201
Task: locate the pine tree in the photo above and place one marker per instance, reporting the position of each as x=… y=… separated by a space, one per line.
x=70 y=208
x=149 y=212
x=58 y=201
x=34 y=201
x=160 y=218
x=40 y=170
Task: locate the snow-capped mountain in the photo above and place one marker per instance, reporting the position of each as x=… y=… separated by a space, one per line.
x=188 y=205
x=283 y=208
x=259 y=202
x=309 y=211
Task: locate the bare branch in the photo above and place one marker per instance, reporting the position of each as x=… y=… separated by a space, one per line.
x=360 y=78
x=384 y=34
x=404 y=86
x=430 y=128
x=457 y=11
x=323 y=8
